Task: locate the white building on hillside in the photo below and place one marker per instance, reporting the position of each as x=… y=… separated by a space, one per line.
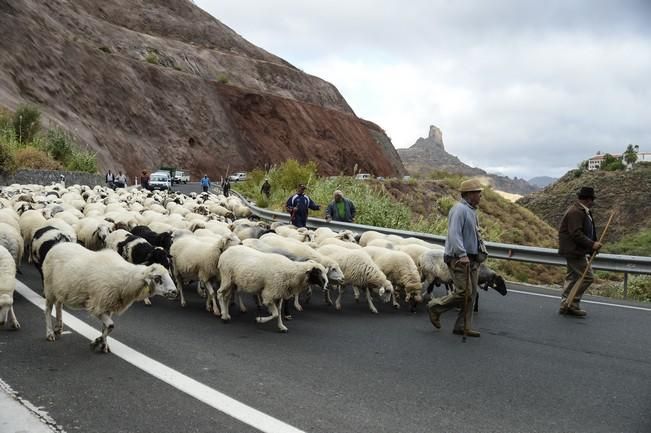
x=594 y=162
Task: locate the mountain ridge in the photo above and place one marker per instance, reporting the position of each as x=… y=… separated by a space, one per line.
x=429 y=154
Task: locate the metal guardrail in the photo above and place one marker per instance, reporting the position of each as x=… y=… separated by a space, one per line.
x=545 y=256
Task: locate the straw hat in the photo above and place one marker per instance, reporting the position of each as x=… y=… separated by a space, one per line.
x=471 y=185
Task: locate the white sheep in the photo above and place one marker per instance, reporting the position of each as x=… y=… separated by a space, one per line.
x=325 y=232
x=271 y=276
x=11 y=239
x=11 y=217
x=30 y=220
x=7 y=288
x=72 y=277
x=360 y=272
x=92 y=232
x=430 y=265
x=339 y=243
x=301 y=250
x=301 y=234
x=197 y=258
x=401 y=270
x=370 y=235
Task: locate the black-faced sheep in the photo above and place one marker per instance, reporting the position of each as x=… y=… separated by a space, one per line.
x=72 y=277
x=271 y=276
x=488 y=278
x=163 y=240
x=42 y=242
x=7 y=288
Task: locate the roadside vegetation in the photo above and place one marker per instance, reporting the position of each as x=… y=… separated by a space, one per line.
x=24 y=144
x=422 y=205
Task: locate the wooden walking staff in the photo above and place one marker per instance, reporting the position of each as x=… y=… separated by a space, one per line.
x=466 y=300
x=575 y=288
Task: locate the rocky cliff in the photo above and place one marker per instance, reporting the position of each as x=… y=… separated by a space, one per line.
x=145 y=83
x=429 y=154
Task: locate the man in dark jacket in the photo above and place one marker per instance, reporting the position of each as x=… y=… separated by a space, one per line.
x=341 y=209
x=266 y=189
x=577 y=238
x=298 y=206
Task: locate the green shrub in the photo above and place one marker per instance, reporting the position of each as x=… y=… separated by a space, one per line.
x=59 y=144
x=82 y=161
x=7 y=160
x=152 y=57
x=27 y=123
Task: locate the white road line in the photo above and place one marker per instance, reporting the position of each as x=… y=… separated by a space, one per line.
x=183 y=383
x=543 y=295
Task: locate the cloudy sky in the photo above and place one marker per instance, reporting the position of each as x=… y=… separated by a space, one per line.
x=521 y=88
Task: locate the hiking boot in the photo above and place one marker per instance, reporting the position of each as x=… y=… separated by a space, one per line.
x=435 y=318
x=469 y=333
x=576 y=311
x=562 y=309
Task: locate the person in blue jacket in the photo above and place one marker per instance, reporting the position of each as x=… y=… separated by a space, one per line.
x=205 y=183
x=298 y=206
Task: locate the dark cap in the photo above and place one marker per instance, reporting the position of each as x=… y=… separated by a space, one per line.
x=586 y=192
x=301 y=185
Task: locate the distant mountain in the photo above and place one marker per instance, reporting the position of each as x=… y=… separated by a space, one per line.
x=542 y=181
x=429 y=154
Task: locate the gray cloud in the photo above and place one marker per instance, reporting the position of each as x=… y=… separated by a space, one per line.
x=523 y=88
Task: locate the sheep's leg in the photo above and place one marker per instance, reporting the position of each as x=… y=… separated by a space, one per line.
x=223 y=296
x=297 y=304
x=340 y=291
x=3 y=317
x=326 y=296
x=370 y=301
x=58 y=327
x=281 y=326
x=394 y=300
x=101 y=342
x=241 y=303
x=210 y=300
x=426 y=292
x=49 y=333
x=273 y=310
x=201 y=291
x=308 y=295
x=147 y=302
x=356 y=294
x=179 y=285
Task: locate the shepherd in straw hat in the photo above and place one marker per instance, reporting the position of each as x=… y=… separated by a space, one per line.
x=461 y=256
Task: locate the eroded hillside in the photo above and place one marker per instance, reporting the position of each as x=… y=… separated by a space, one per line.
x=144 y=83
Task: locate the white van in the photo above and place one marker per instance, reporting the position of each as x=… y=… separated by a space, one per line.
x=160 y=180
x=363 y=176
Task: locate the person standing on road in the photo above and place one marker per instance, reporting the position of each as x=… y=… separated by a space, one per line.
x=340 y=208
x=266 y=188
x=298 y=206
x=144 y=180
x=226 y=188
x=205 y=183
x=461 y=255
x=110 y=179
x=577 y=238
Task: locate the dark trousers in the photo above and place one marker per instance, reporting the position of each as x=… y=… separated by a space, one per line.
x=205 y=188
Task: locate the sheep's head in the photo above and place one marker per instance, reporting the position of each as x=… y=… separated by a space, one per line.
x=316 y=275
x=160 y=256
x=413 y=292
x=159 y=282
x=335 y=274
x=499 y=284
x=385 y=291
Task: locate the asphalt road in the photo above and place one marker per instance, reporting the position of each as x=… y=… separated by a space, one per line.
x=349 y=371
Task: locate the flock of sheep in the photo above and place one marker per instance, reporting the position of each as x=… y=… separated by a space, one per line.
x=101 y=250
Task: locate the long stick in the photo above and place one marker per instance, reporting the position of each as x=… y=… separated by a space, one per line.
x=575 y=288
x=466 y=299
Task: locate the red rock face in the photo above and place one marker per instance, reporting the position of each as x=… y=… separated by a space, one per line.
x=146 y=84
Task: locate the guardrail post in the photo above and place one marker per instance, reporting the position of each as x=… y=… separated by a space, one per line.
x=625 y=284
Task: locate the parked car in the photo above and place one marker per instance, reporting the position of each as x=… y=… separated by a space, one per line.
x=181 y=176
x=236 y=177
x=160 y=180
x=363 y=176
